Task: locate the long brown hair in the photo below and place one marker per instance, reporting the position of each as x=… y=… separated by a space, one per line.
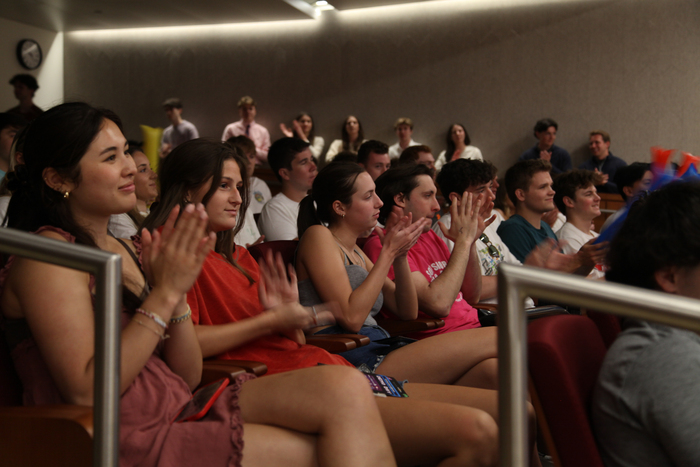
x=187 y=169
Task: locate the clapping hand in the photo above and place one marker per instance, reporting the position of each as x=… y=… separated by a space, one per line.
x=173 y=258
x=275 y=288
x=468 y=217
x=401 y=232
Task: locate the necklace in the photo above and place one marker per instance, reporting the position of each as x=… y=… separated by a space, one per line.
x=345 y=250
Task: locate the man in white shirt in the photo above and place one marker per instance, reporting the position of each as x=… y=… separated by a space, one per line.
x=293 y=164
x=246 y=126
x=475 y=176
x=404 y=131
x=180 y=130
x=577 y=197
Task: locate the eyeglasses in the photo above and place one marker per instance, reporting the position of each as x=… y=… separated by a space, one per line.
x=493 y=251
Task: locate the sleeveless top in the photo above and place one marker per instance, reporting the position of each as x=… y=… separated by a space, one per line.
x=356 y=274
x=147 y=407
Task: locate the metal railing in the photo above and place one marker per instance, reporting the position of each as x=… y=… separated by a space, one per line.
x=517 y=282
x=106 y=267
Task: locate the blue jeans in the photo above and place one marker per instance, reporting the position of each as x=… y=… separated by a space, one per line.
x=370 y=355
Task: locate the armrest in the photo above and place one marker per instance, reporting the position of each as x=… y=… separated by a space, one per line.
x=63 y=431
x=222 y=369
x=332 y=343
x=489 y=316
x=250 y=366
x=493 y=307
x=546 y=310
x=398 y=328
x=359 y=339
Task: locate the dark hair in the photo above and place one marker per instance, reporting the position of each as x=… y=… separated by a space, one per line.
x=242 y=142
x=519 y=176
x=135 y=145
x=172 y=103
x=457 y=176
x=59 y=139
x=26 y=79
x=282 y=153
x=660 y=231
x=412 y=153
x=397 y=180
x=8 y=119
x=567 y=183
x=346 y=137
x=629 y=175
x=543 y=125
x=189 y=167
x=345 y=156
x=312 y=132
x=367 y=147
x=335 y=182
x=451 y=147
x=501 y=197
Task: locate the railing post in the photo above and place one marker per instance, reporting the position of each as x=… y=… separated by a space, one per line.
x=517 y=282
x=106 y=267
x=512 y=375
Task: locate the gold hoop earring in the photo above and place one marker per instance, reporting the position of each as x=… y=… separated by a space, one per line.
x=66 y=194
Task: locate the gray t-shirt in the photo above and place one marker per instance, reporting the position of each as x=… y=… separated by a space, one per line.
x=646 y=404
x=176 y=135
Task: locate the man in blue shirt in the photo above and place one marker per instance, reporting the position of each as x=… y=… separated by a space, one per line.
x=602 y=160
x=546 y=133
x=529 y=186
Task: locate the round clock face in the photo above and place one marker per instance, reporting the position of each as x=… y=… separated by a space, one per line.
x=29 y=54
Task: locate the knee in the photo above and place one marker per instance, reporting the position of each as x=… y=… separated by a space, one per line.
x=345 y=383
x=480 y=438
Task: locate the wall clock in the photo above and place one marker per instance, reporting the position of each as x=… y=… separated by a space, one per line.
x=29 y=54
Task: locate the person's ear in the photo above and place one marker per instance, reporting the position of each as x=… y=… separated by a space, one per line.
x=627 y=190
x=520 y=194
x=284 y=173
x=56 y=182
x=400 y=200
x=338 y=208
x=568 y=202
x=667 y=278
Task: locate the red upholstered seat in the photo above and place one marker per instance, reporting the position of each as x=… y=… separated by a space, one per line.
x=565 y=353
x=285 y=247
x=608 y=326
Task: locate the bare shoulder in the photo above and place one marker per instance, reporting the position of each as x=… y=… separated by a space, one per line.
x=53 y=235
x=26 y=277
x=315 y=236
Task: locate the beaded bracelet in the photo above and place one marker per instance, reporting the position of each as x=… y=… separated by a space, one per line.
x=159 y=321
x=182 y=318
x=162 y=336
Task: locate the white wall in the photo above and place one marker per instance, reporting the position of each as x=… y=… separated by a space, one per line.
x=49 y=74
